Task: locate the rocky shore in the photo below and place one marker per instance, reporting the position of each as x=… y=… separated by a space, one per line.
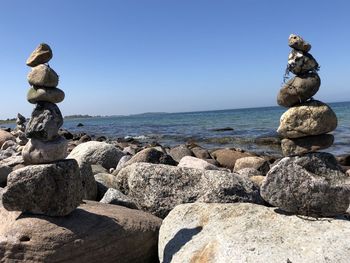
x=76 y=198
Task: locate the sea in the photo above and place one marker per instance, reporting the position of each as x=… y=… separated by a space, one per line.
x=238 y=128
x=234 y=128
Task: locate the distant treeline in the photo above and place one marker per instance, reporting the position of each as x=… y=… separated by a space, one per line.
x=8 y=120
x=80 y=116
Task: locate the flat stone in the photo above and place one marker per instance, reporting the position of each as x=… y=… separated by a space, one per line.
x=45 y=121
x=94 y=232
x=255 y=162
x=298 y=89
x=39 y=152
x=94 y=152
x=249 y=233
x=313 y=184
x=42 y=54
x=52 y=189
x=158 y=188
x=301 y=63
x=310 y=118
x=43 y=76
x=196 y=163
x=306 y=144
x=53 y=95
x=298 y=43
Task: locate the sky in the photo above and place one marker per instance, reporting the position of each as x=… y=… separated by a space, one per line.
x=133 y=56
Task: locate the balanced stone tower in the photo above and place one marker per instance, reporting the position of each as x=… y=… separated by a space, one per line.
x=49 y=184
x=306 y=182
x=305 y=126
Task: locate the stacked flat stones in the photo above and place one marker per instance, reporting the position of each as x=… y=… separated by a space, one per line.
x=50 y=184
x=305 y=126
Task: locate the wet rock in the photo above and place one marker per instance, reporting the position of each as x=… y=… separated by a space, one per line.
x=196 y=163
x=115 y=197
x=178 y=152
x=94 y=232
x=45 y=122
x=255 y=162
x=298 y=43
x=313 y=184
x=43 y=76
x=222 y=129
x=249 y=233
x=94 y=152
x=227 y=157
x=51 y=189
x=42 y=54
x=300 y=63
x=158 y=188
x=52 y=95
x=80 y=124
x=310 y=118
x=298 y=89
x=307 y=144
x=39 y=152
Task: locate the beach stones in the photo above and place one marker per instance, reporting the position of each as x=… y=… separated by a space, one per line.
x=41 y=55
x=49 y=184
x=45 y=121
x=51 y=189
x=43 y=76
x=37 y=94
x=304 y=126
x=313 y=184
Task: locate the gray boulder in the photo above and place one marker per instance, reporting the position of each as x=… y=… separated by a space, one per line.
x=115 y=197
x=310 y=118
x=298 y=43
x=94 y=232
x=249 y=233
x=94 y=152
x=43 y=76
x=45 y=121
x=306 y=144
x=53 y=95
x=179 y=152
x=313 y=184
x=51 y=189
x=39 y=152
x=159 y=188
x=42 y=54
x=298 y=89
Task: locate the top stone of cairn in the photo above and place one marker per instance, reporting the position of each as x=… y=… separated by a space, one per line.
x=41 y=55
x=298 y=43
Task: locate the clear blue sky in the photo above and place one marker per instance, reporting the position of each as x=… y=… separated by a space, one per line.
x=133 y=56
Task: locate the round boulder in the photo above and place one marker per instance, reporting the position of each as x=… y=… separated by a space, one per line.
x=53 y=95
x=43 y=76
x=310 y=118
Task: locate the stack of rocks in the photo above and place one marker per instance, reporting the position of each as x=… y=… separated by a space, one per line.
x=53 y=186
x=19 y=131
x=305 y=125
x=306 y=182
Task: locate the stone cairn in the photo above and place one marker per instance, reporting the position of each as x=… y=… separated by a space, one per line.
x=306 y=182
x=49 y=184
x=305 y=126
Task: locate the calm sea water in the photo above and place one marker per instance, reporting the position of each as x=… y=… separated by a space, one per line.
x=176 y=128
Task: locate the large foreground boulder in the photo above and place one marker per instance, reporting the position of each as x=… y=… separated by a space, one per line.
x=94 y=152
x=249 y=233
x=51 y=189
x=159 y=188
x=94 y=232
x=313 y=184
